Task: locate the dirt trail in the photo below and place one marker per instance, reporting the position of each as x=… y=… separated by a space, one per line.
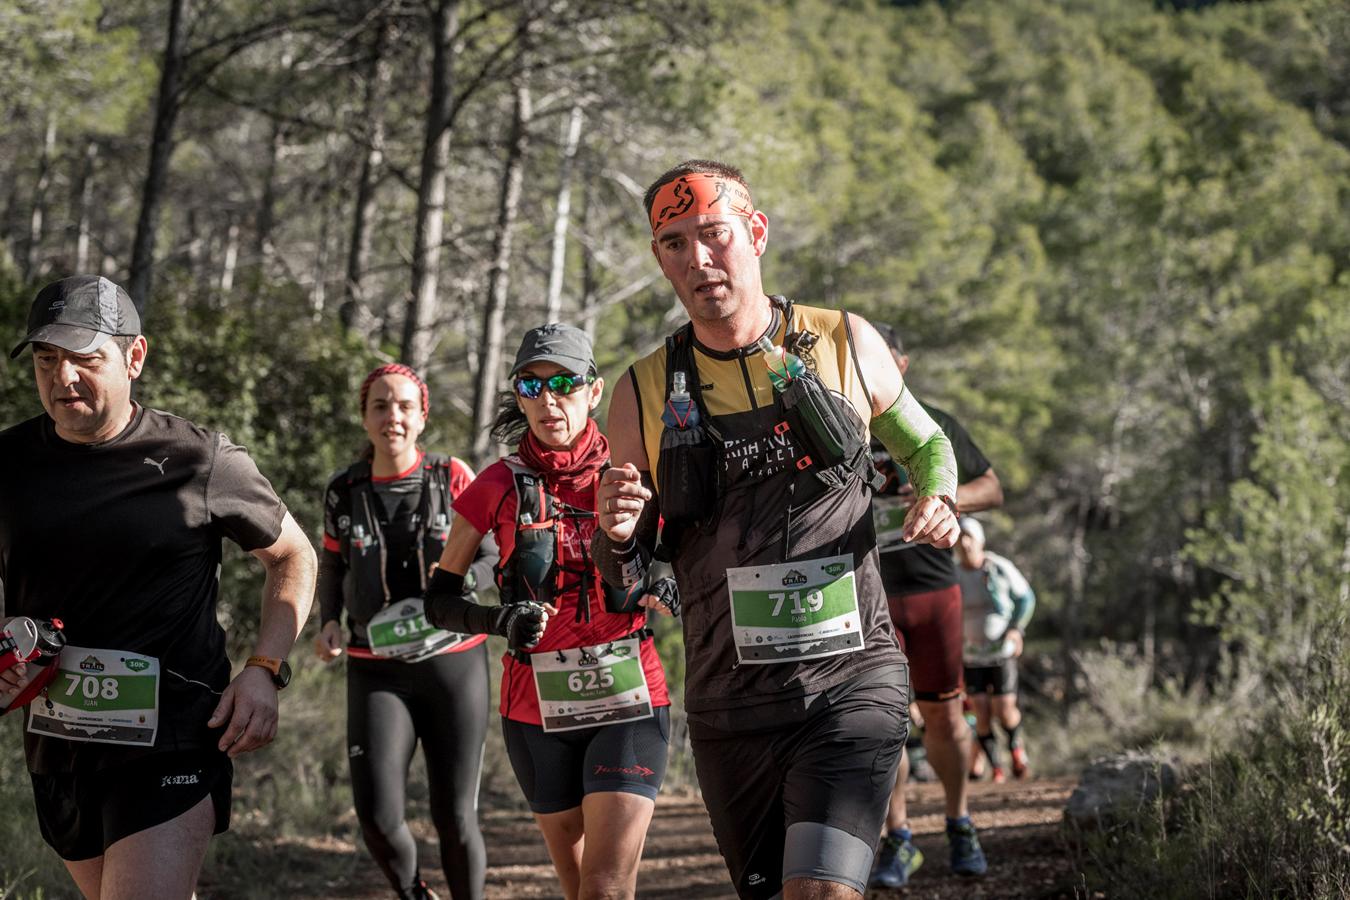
x=1019 y=828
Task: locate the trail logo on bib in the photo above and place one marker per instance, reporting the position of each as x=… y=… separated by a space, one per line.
x=91 y=664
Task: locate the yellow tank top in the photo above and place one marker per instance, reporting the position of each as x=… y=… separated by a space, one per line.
x=738 y=381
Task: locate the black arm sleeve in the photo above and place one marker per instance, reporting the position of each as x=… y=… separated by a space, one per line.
x=449 y=607
x=329 y=591
x=484 y=562
x=624 y=566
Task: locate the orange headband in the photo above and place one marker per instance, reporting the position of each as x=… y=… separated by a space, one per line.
x=699 y=194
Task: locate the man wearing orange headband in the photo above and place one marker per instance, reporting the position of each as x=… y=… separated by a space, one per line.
x=747 y=437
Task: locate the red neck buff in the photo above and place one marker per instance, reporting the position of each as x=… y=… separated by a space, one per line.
x=573 y=469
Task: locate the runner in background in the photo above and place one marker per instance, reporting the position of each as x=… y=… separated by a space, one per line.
x=112 y=517
x=997 y=603
x=584 y=705
x=386 y=520
x=925 y=606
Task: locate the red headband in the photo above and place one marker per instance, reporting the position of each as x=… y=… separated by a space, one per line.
x=699 y=194
x=395 y=369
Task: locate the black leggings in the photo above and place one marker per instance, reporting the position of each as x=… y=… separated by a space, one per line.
x=444 y=703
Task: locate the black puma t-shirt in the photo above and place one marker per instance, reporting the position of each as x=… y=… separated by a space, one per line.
x=122 y=542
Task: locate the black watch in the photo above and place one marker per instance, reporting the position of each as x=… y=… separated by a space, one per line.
x=951 y=504
x=280 y=669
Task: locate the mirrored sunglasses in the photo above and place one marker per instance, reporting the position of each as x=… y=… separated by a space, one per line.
x=531 y=386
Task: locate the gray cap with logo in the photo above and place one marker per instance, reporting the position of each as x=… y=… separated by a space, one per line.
x=79 y=314
x=564 y=345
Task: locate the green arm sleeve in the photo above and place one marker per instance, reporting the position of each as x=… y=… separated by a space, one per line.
x=917 y=443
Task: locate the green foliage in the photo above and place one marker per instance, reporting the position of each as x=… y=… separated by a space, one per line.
x=1267 y=817
x=1280 y=536
x=63 y=59
x=29 y=870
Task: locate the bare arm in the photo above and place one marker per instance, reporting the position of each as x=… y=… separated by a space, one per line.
x=249 y=703
x=980 y=493
x=621 y=496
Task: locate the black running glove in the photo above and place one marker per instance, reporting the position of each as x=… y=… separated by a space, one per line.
x=522 y=624
x=668 y=592
x=449 y=605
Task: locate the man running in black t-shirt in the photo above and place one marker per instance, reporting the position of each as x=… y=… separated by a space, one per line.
x=925 y=604
x=111 y=520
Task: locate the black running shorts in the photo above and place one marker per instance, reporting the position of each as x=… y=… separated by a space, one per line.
x=556 y=769
x=999 y=679
x=82 y=814
x=806 y=799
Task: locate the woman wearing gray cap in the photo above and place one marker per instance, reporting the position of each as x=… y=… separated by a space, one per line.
x=584 y=706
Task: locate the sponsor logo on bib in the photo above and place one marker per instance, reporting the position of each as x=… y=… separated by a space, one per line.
x=793 y=577
x=91 y=664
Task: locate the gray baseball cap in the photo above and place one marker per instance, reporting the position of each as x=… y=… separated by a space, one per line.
x=565 y=345
x=79 y=314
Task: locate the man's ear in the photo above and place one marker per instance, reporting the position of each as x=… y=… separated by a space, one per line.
x=136 y=354
x=759 y=232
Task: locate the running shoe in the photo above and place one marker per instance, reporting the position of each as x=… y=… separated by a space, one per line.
x=1019 y=763
x=420 y=891
x=998 y=777
x=967 y=857
x=898 y=860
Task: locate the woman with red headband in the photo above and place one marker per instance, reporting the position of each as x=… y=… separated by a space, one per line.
x=584 y=706
x=386 y=521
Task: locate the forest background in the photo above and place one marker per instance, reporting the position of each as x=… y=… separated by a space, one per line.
x=1113 y=234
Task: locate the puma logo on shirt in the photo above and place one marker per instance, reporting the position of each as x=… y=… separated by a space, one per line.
x=158 y=465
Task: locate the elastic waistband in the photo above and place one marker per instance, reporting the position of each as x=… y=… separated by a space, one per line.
x=523 y=657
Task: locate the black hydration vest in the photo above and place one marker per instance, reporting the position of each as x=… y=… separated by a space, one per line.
x=688 y=467
x=536 y=570
x=363 y=544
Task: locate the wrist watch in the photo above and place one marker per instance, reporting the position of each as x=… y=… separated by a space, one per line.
x=951 y=504
x=280 y=669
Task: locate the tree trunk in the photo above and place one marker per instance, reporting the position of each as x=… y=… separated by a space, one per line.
x=267 y=209
x=319 y=295
x=562 y=212
x=37 y=220
x=161 y=148
x=590 y=284
x=84 y=202
x=421 y=311
x=494 y=310
x=354 y=312
x=1073 y=604
x=231 y=258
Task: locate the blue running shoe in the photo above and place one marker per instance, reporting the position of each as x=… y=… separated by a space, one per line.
x=898 y=860
x=967 y=857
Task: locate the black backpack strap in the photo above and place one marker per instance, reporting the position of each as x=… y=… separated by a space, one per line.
x=358 y=473
x=680 y=357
